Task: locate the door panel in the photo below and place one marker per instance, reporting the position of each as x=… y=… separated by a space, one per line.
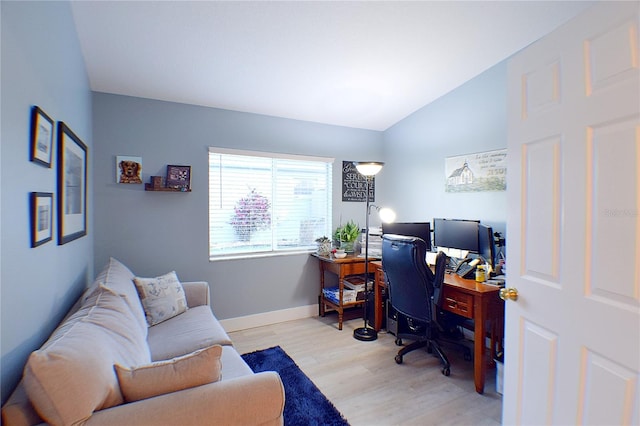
x=541 y=209
x=573 y=336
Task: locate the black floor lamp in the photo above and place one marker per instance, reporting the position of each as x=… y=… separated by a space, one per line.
x=368 y=170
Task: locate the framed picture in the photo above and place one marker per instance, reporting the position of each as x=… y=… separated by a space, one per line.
x=128 y=169
x=41 y=137
x=72 y=185
x=179 y=177
x=41 y=212
x=477 y=172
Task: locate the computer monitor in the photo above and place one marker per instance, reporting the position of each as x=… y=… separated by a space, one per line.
x=486 y=245
x=410 y=229
x=458 y=234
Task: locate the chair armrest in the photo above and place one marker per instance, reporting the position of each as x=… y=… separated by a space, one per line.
x=197 y=293
x=248 y=400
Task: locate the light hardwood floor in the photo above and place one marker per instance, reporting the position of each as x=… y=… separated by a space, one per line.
x=366 y=385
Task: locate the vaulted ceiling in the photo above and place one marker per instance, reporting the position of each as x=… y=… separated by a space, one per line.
x=359 y=64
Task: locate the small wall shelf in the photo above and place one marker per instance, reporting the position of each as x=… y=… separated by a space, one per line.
x=148 y=187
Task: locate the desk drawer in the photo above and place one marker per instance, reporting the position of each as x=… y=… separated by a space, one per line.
x=457 y=302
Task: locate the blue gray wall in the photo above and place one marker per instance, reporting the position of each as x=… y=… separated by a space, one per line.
x=155 y=232
x=41 y=65
x=470 y=119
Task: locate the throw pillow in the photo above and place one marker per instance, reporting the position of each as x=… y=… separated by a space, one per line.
x=71 y=375
x=162 y=297
x=118 y=277
x=197 y=368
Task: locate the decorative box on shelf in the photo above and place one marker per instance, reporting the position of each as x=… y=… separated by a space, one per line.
x=156 y=184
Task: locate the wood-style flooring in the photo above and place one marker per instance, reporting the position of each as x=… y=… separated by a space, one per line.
x=366 y=385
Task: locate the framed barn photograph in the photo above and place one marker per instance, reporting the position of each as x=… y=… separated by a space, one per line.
x=41 y=137
x=41 y=213
x=72 y=185
x=179 y=177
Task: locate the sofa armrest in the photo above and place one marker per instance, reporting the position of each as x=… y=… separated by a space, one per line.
x=256 y=399
x=197 y=293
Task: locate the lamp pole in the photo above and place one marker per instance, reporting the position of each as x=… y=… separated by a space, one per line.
x=367 y=333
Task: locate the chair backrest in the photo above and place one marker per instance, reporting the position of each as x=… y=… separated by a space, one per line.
x=409 y=277
x=438 y=279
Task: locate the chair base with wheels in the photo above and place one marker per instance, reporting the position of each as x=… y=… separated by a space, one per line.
x=432 y=346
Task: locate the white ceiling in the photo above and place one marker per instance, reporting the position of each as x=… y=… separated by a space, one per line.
x=358 y=64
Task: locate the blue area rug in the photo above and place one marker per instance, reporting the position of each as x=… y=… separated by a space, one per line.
x=304 y=404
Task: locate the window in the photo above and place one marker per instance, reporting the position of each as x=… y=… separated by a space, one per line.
x=264 y=204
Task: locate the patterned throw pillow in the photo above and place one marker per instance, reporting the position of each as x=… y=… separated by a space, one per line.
x=162 y=297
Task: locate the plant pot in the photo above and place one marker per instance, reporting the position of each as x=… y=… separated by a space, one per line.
x=348 y=246
x=324 y=248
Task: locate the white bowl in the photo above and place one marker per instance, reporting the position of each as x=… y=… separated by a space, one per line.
x=340 y=255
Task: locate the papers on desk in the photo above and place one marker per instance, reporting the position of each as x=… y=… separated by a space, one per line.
x=498 y=281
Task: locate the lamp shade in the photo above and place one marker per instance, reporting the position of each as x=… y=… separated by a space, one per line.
x=387 y=215
x=368 y=168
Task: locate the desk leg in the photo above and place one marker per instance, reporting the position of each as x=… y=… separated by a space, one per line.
x=479 y=362
x=321 y=298
x=340 y=299
x=378 y=309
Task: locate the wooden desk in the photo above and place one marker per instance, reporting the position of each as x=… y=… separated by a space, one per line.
x=350 y=265
x=468 y=298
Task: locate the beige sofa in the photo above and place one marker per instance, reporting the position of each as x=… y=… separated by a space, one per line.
x=72 y=378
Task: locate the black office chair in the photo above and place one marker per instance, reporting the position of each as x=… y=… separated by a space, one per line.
x=411 y=293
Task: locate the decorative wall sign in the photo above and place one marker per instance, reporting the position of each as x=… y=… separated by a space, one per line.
x=482 y=171
x=72 y=185
x=41 y=137
x=128 y=169
x=41 y=212
x=354 y=185
x=178 y=177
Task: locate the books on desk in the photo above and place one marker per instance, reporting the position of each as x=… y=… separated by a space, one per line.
x=356 y=282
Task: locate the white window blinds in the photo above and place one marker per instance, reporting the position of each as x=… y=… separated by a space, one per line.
x=263 y=203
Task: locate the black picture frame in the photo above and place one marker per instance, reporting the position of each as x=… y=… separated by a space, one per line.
x=178 y=177
x=354 y=185
x=72 y=185
x=41 y=213
x=41 y=137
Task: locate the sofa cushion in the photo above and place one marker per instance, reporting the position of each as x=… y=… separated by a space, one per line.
x=233 y=365
x=72 y=374
x=116 y=276
x=197 y=368
x=162 y=297
x=195 y=329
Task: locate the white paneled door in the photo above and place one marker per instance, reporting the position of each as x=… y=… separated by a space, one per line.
x=573 y=253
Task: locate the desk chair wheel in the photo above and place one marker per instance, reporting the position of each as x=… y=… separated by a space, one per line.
x=398 y=359
x=398 y=342
x=446 y=371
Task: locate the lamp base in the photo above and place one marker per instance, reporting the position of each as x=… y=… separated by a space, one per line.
x=365 y=334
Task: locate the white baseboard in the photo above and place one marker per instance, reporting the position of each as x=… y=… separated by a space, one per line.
x=267 y=318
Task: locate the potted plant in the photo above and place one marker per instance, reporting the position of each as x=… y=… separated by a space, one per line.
x=346 y=236
x=251 y=213
x=324 y=245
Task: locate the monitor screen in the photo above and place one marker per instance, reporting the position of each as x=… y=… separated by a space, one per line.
x=486 y=245
x=410 y=229
x=456 y=233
